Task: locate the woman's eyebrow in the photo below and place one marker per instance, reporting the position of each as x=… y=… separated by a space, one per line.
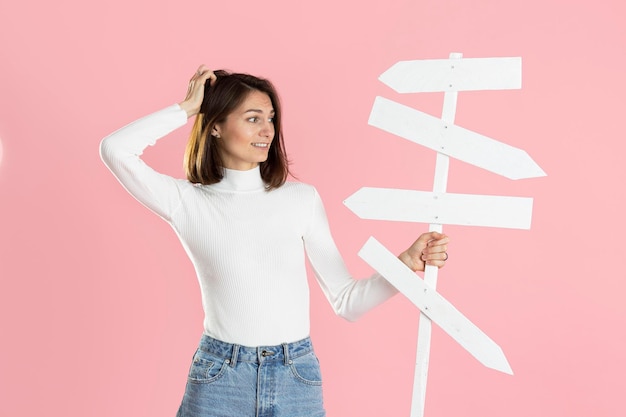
x=258 y=111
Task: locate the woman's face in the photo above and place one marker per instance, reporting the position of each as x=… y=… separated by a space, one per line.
x=247 y=133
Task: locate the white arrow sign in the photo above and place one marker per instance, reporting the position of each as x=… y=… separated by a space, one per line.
x=442 y=208
x=441 y=75
x=438 y=207
x=452 y=140
x=433 y=305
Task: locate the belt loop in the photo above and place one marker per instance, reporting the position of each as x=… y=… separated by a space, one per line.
x=286 y=353
x=233 y=358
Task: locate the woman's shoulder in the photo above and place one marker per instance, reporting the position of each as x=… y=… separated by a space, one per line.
x=299 y=193
x=299 y=187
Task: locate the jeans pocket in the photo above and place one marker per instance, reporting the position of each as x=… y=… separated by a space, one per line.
x=306 y=369
x=206 y=368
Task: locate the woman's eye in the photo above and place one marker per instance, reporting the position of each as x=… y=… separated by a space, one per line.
x=271 y=120
x=253 y=119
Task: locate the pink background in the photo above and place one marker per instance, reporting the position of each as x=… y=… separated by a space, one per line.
x=99 y=307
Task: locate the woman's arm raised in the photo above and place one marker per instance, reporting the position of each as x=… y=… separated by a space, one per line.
x=121 y=150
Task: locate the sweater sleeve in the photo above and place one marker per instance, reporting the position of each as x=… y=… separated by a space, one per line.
x=121 y=153
x=349 y=297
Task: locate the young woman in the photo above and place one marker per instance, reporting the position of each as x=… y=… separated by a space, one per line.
x=247 y=230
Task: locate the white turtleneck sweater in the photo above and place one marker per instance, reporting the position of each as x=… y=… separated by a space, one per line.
x=247 y=244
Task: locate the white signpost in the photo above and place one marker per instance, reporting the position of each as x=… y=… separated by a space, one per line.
x=438 y=207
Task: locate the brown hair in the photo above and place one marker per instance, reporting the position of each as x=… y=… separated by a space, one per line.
x=203 y=162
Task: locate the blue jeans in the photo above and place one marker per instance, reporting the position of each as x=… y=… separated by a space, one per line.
x=227 y=380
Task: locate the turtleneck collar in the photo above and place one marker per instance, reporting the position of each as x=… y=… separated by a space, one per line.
x=235 y=180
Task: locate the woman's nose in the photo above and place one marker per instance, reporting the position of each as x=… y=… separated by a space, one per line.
x=267 y=130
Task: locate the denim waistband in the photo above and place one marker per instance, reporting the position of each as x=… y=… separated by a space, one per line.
x=284 y=352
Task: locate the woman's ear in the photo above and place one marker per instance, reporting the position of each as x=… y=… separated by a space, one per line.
x=215 y=132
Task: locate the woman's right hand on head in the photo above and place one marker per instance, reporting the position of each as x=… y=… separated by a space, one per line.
x=195 y=93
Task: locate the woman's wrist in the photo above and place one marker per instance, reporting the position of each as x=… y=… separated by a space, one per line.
x=188 y=108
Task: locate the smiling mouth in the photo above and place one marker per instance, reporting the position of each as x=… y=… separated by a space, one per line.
x=261 y=145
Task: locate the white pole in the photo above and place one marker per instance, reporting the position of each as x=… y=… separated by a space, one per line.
x=430 y=275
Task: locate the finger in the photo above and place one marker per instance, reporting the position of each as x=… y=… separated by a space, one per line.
x=207 y=75
x=201 y=75
x=194 y=87
x=432 y=236
x=436 y=235
x=204 y=72
x=424 y=241
x=201 y=69
x=434 y=256
x=431 y=250
x=424 y=238
x=441 y=240
x=437 y=259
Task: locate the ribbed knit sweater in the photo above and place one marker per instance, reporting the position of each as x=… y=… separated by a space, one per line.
x=247 y=244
